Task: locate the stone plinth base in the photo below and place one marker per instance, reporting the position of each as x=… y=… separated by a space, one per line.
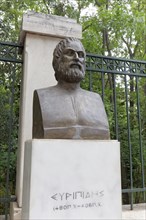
x=71 y=179
x=15 y=211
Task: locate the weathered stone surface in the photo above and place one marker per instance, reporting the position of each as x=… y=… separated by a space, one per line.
x=72 y=179
x=51 y=25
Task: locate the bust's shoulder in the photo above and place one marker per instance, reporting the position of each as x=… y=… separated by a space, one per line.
x=45 y=91
x=90 y=94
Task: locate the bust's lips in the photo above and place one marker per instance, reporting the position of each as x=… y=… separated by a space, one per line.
x=75 y=65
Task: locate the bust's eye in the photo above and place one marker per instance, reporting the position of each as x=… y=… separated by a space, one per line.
x=81 y=54
x=69 y=52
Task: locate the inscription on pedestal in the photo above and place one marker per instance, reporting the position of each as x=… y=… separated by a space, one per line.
x=77 y=200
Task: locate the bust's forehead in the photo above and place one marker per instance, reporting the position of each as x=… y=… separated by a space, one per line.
x=75 y=45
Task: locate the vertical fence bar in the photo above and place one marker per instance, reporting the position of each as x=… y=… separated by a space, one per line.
x=102 y=80
x=90 y=75
x=140 y=136
x=103 y=85
x=115 y=105
x=129 y=141
x=90 y=81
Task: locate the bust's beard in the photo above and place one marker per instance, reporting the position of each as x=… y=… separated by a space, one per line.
x=70 y=75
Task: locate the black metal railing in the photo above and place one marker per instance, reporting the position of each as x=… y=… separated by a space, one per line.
x=122 y=86
x=10 y=71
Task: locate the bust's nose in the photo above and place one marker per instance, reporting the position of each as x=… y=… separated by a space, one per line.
x=76 y=56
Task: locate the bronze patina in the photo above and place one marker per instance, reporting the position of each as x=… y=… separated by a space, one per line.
x=66 y=111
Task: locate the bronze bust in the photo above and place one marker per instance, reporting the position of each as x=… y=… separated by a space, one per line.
x=66 y=111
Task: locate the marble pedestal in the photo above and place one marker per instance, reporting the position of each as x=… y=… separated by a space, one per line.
x=71 y=179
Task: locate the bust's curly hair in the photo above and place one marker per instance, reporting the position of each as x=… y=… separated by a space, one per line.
x=58 y=51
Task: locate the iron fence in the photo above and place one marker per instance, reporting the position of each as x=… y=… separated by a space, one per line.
x=10 y=70
x=122 y=85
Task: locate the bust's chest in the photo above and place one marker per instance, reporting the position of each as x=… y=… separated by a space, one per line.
x=72 y=110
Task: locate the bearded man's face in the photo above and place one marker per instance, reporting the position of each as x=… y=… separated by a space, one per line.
x=72 y=63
